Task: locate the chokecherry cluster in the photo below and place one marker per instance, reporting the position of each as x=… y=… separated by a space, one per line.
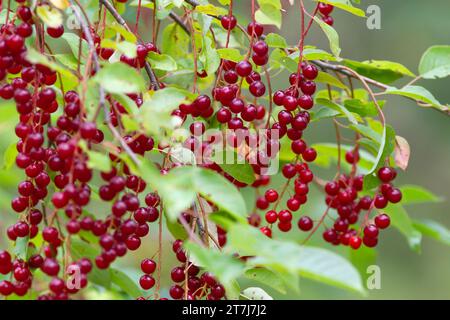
x=55 y=138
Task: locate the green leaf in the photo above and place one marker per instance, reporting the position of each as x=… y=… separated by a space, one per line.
x=74 y=43
x=401 y=220
x=238 y=169
x=345 y=5
x=209 y=56
x=415 y=93
x=323 y=113
x=175 y=41
x=178 y=192
x=412 y=194
x=332 y=36
x=126 y=102
x=327 y=78
x=124 y=282
x=332 y=105
x=162 y=62
x=363 y=108
x=380 y=70
x=269 y=12
x=317 y=54
x=92 y=96
x=50 y=16
x=255 y=293
x=435 y=62
x=155 y=113
x=127 y=48
x=120 y=78
x=231 y=54
x=274 y=40
x=225 y=267
x=210 y=9
x=433 y=230
x=180 y=186
x=127 y=35
x=9 y=157
x=21 y=248
x=99 y=161
x=288 y=257
x=387 y=145
x=367 y=132
x=37 y=58
x=96 y=160
x=220 y=191
x=266 y=277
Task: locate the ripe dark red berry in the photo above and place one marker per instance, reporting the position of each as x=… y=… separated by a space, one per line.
x=305 y=223
x=228 y=22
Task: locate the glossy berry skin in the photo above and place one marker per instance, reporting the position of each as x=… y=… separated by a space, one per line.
x=254 y=28
x=394 y=195
x=228 y=22
x=243 y=68
x=380 y=201
x=355 y=242
x=260 y=48
x=325 y=8
x=148 y=266
x=146 y=282
x=386 y=174
x=271 y=195
x=310 y=72
x=284 y=216
x=55 y=32
x=271 y=216
x=328 y=20
x=305 y=223
x=371 y=231
x=382 y=221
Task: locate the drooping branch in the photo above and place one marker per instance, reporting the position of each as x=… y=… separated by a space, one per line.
x=153 y=80
x=326 y=66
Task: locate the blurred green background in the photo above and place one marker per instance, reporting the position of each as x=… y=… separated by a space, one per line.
x=408 y=28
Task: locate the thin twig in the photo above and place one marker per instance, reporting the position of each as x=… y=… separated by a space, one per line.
x=153 y=80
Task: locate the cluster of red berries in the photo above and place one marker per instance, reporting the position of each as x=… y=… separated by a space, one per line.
x=342 y=195
x=325 y=9
x=198 y=285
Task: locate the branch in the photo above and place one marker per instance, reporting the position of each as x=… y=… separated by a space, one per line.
x=102 y=101
x=153 y=80
x=333 y=67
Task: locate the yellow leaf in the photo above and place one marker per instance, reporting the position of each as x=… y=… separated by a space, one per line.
x=50 y=16
x=60 y=4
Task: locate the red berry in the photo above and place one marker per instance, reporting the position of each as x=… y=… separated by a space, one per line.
x=146 y=282
x=243 y=68
x=255 y=28
x=148 y=266
x=325 y=8
x=271 y=216
x=55 y=32
x=386 y=174
x=271 y=195
x=382 y=221
x=305 y=223
x=228 y=22
x=355 y=242
x=371 y=231
x=394 y=195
